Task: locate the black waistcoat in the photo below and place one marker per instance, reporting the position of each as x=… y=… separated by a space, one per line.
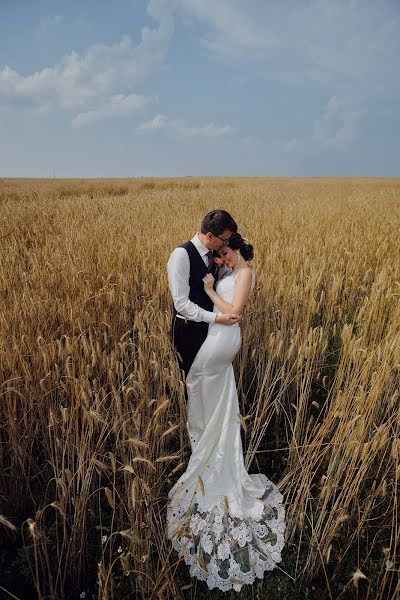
x=198 y=270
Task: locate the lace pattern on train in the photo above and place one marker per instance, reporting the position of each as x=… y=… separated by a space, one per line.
x=227 y=552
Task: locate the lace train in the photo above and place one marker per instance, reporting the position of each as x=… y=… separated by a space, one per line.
x=224 y=551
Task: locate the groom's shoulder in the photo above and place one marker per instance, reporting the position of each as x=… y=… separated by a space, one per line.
x=181 y=250
x=186 y=246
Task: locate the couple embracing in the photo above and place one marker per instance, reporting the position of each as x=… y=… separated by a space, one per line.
x=228 y=525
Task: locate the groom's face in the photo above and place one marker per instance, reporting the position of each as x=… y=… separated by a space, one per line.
x=215 y=242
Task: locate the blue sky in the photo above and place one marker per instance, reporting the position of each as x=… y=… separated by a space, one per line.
x=199 y=87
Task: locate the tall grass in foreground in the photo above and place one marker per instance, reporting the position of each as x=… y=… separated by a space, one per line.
x=92 y=410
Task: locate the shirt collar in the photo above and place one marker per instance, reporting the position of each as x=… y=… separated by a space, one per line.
x=199 y=245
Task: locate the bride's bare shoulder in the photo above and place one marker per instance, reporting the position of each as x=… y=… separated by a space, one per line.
x=244 y=274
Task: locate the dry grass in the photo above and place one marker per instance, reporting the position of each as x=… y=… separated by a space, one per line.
x=92 y=407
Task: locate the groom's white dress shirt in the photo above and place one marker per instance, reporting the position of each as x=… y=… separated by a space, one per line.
x=178 y=268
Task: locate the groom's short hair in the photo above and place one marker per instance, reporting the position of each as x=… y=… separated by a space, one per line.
x=217 y=221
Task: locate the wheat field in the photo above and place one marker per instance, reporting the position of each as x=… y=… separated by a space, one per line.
x=92 y=410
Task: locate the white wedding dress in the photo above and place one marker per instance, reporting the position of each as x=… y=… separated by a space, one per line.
x=228 y=525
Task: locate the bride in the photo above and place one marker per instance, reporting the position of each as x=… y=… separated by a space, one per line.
x=228 y=525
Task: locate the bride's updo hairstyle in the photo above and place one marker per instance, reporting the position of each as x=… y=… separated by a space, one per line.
x=236 y=242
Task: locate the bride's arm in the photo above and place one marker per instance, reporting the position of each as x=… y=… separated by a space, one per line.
x=240 y=295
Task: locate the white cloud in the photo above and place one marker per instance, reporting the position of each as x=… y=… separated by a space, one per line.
x=117 y=106
x=158 y=122
x=334 y=131
x=337 y=125
x=102 y=71
x=346 y=44
x=210 y=130
x=180 y=128
x=49 y=22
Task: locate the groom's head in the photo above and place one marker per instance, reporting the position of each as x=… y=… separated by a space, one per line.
x=216 y=229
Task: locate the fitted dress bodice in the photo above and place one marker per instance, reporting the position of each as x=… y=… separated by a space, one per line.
x=225 y=289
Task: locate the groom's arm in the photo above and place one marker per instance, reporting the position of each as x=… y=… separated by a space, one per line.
x=178 y=268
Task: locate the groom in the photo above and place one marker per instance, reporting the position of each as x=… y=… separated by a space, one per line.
x=192 y=307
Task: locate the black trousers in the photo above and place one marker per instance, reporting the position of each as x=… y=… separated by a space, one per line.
x=187 y=338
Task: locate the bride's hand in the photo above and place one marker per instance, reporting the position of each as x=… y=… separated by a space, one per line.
x=208 y=281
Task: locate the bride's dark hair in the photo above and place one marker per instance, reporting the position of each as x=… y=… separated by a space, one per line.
x=236 y=242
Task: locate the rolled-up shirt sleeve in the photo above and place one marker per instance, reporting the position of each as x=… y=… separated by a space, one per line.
x=178 y=269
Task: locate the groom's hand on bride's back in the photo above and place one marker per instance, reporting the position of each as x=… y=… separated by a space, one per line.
x=227 y=319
